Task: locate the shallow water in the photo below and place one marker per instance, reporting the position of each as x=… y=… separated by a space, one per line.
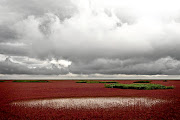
x=89 y=103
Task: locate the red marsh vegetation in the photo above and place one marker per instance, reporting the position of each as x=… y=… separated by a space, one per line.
x=67 y=99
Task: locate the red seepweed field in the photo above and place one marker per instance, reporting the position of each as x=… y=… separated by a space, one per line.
x=14 y=92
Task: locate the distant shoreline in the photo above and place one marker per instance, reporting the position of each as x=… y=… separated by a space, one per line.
x=91 y=79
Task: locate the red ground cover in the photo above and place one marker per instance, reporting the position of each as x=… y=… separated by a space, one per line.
x=10 y=92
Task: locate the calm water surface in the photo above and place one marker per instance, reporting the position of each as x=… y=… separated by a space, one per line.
x=89 y=103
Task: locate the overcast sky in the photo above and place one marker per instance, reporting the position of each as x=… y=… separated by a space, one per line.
x=89 y=38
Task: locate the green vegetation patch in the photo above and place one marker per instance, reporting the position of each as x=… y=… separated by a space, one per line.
x=139 y=86
x=142 y=81
x=108 y=82
x=2 y=81
x=95 y=81
x=30 y=81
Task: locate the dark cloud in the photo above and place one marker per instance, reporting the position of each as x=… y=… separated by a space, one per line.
x=138 y=66
x=13 y=49
x=63 y=9
x=9 y=67
x=7 y=34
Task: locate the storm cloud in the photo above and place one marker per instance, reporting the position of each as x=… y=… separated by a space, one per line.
x=107 y=37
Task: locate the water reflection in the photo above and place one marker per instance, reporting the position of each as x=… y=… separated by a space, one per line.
x=89 y=103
